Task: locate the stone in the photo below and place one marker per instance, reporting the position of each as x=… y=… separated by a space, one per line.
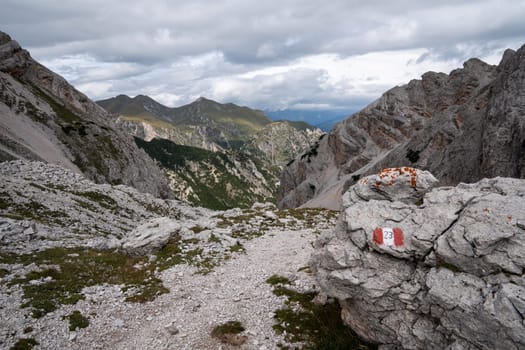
x=404 y=184
x=118 y=323
x=448 y=284
x=172 y=328
x=150 y=236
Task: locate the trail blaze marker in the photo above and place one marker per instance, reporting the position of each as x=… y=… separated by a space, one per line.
x=388 y=236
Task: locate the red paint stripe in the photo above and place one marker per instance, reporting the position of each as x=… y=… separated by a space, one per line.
x=378 y=235
x=398 y=237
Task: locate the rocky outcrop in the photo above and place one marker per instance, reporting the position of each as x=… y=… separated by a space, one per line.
x=416 y=267
x=44 y=205
x=278 y=143
x=462 y=127
x=46 y=119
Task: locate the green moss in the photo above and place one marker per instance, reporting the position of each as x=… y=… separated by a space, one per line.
x=230 y=327
x=173 y=253
x=42 y=188
x=36 y=211
x=276 y=279
x=451 y=267
x=316 y=326
x=62 y=111
x=77 y=320
x=237 y=247
x=214 y=239
x=5 y=200
x=24 y=344
x=100 y=198
x=3 y=273
x=56 y=186
x=86 y=205
x=197 y=229
x=305 y=269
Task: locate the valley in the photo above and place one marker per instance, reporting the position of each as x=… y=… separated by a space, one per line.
x=127 y=224
x=215 y=155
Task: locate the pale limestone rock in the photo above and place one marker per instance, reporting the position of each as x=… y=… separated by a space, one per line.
x=457 y=280
x=151 y=236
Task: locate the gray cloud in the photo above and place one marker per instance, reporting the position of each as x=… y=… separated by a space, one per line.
x=181 y=49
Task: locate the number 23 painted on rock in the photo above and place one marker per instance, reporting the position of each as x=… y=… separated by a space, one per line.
x=388 y=236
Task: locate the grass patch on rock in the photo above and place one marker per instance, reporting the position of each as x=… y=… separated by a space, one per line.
x=77 y=320
x=229 y=333
x=36 y=211
x=276 y=279
x=311 y=326
x=66 y=271
x=100 y=198
x=24 y=344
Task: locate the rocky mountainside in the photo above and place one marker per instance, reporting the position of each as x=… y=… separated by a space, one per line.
x=95 y=266
x=203 y=123
x=213 y=126
x=417 y=267
x=280 y=142
x=215 y=155
x=462 y=127
x=44 y=118
x=217 y=180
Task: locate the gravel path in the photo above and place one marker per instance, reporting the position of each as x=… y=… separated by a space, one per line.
x=184 y=318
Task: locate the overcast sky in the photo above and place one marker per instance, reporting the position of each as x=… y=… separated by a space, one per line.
x=268 y=54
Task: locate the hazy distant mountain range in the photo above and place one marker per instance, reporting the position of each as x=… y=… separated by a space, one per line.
x=322 y=119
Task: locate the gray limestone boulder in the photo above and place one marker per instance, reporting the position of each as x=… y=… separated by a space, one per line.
x=151 y=236
x=443 y=270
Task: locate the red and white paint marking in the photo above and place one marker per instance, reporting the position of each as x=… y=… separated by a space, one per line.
x=391 y=237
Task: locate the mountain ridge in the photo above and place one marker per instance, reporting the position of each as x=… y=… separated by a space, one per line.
x=461 y=126
x=225 y=125
x=45 y=118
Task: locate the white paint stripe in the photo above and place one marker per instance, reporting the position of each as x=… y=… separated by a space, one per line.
x=388 y=237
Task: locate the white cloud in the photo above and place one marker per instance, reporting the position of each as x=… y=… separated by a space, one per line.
x=266 y=54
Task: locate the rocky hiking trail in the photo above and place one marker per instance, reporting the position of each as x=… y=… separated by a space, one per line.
x=196 y=303
x=235 y=291
x=93 y=266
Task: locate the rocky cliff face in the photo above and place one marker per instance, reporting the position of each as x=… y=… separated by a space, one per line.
x=421 y=268
x=462 y=127
x=44 y=118
x=280 y=142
